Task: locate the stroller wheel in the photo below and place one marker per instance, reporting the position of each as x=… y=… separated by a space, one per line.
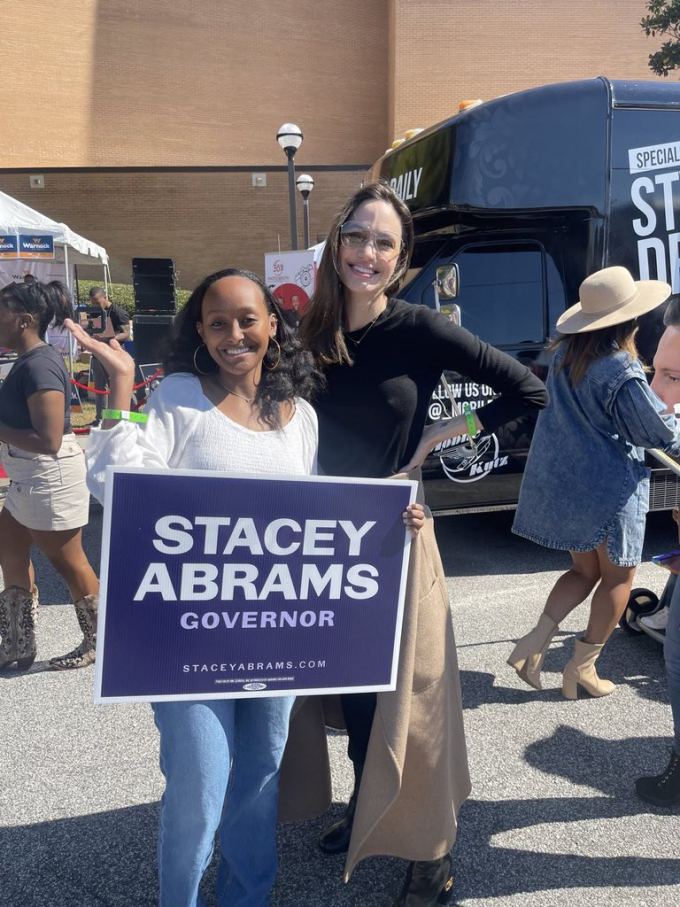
x=641 y=601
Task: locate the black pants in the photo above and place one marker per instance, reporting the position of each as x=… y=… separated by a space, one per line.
x=358 y=709
x=101 y=383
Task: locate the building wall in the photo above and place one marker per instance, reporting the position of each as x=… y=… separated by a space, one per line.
x=449 y=50
x=204 y=221
x=161 y=82
x=124 y=83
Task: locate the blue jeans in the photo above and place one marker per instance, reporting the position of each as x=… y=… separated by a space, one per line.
x=672 y=656
x=223 y=749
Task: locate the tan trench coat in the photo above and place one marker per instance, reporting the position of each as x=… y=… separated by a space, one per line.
x=416 y=772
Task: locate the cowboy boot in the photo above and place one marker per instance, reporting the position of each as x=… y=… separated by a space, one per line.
x=86 y=612
x=528 y=655
x=663 y=789
x=26 y=621
x=580 y=672
x=428 y=883
x=8 y=635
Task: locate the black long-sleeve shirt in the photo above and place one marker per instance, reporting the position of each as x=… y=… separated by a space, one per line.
x=372 y=413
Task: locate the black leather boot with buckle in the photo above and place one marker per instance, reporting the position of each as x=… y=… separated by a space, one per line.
x=663 y=789
x=429 y=883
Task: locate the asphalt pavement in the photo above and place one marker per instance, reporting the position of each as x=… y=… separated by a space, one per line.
x=553 y=818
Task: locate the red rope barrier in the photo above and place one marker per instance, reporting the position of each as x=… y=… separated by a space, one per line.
x=93 y=390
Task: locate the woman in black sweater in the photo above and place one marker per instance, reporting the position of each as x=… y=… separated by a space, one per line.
x=382 y=358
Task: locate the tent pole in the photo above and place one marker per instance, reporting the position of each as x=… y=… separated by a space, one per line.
x=75 y=272
x=66 y=281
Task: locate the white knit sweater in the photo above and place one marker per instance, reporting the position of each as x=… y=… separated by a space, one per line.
x=186 y=431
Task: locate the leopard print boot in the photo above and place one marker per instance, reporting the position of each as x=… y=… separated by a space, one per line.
x=26 y=622
x=86 y=612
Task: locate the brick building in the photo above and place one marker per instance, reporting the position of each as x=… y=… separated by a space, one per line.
x=148 y=119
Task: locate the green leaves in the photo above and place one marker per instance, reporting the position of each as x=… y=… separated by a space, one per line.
x=663 y=19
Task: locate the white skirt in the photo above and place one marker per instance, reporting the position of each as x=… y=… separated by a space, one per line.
x=47 y=491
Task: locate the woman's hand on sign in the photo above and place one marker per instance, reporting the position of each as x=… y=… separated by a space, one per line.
x=414 y=518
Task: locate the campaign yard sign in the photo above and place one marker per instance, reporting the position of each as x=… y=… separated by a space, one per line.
x=32 y=245
x=218 y=586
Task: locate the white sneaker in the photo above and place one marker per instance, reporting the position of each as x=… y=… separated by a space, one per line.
x=657 y=621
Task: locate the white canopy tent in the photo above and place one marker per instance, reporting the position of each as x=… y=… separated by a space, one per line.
x=70 y=250
x=17 y=218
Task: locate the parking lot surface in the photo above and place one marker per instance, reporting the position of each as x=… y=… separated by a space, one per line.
x=553 y=818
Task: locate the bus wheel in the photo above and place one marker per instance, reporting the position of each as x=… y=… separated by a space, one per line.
x=641 y=601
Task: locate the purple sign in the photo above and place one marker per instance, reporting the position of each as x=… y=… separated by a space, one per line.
x=216 y=586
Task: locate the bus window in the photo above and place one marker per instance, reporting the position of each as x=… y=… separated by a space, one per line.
x=501 y=293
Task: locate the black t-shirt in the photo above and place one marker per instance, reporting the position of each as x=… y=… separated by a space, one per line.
x=114 y=320
x=41 y=369
x=372 y=413
x=292 y=318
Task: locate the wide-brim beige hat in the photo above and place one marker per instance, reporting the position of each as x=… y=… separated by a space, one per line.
x=610 y=297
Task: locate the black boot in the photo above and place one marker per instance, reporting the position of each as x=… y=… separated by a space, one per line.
x=429 y=883
x=663 y=789
x=336 y=838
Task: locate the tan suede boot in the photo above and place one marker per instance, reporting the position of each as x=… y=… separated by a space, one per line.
x=86 y=612
x=529 y=654
x=580 y=672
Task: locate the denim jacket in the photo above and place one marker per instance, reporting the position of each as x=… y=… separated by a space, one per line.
x=585 y=478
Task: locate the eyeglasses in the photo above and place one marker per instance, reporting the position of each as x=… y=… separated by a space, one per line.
x=387 y=245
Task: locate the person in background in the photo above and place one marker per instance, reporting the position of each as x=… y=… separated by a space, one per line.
x=383 y=358
x=116 y=327
x=48 y=502
x=292 y=315
x=235 y=399
x=585 y=487
x=664 y=789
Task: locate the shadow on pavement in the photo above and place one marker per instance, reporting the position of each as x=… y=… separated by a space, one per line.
x=608 y=766
x=106 y=859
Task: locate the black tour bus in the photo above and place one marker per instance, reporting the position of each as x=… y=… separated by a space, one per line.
x=515 y=202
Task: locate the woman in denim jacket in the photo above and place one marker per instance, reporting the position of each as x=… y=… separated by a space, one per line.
x=585 y=487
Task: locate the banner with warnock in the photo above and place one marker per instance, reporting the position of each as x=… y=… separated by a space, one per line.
x=218 y=586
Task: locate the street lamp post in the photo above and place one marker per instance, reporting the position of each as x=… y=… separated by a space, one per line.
x=305 y=184
x=290 y=138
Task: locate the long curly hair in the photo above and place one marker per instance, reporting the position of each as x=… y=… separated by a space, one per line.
x=295 y=375
x=321 y=329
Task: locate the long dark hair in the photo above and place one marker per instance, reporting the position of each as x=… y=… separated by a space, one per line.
x=47 y=303
x=295 y=375
x=580 y=350
x=322 y=327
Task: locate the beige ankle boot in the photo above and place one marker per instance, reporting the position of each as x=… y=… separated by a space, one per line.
x=529 y=653
x=580 y=671
x=86 y=612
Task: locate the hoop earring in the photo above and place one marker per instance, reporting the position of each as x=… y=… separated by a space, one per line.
x=200 y=371
x=272 y=368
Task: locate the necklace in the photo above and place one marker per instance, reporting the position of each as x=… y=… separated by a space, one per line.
x=230 y=391
x=357 y=342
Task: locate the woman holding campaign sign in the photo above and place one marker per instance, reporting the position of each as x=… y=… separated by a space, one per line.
x=382 y=359
x=234 y=399
x=590 y=440
x=48 y=502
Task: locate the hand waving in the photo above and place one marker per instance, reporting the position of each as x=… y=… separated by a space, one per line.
x=118 y=364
